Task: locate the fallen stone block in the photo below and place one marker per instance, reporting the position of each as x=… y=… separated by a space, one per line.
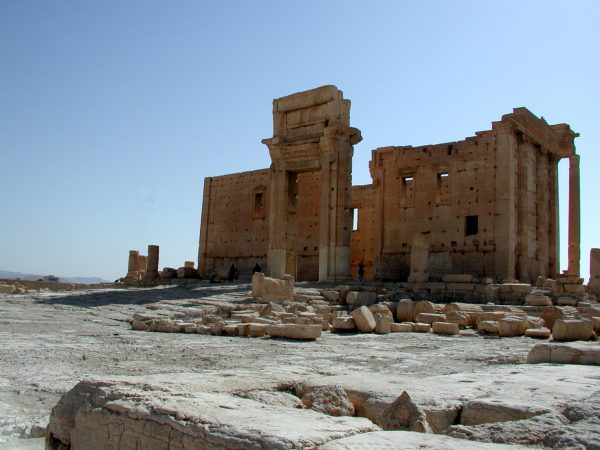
x=424 y=306
x=489 y=327
x=343 y=323
x=383 y=318
x=330 y=400
x=490 y=316
x=444 y=328
x=538 y=333
x=551 y=313
x=256 y=329
x=272 y=288
x=230 y=329
x=430 y=317
x=411 y=440
x=406 y=310
x=294 y=331
x=421 y=327
x=331 y=295
x=363 y=319
x=405 y=327
x=587 y=353
x=403 y=414
x=139 y=325
x=461 y=318
x=132 y=413
x=572 y=329
x=538 y=299
x=477 y=412
x=513 y=326
x=566 y=301
x=354 y=298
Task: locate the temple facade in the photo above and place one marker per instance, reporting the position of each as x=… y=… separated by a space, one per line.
x=486 y=205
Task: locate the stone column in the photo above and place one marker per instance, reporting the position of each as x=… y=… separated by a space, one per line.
x=574 y=216
x=188 y=264
x=505 y=227
x=132 y=266
x=324 y=217
x=152 y=263
x=277 y=253
x=542 y=213
x=554 y=225
x=594 y=283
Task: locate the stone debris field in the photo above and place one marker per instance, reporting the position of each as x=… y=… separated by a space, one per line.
x=193 y=365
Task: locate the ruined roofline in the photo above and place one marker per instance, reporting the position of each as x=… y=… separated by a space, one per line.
x=237 y=174
x=308 y=98
x=558 y=137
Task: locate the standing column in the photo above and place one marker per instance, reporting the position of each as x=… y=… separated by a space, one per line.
x=554 y=238
x=574 y=216
x=324 y=216
x=542 y=208
x=132 y=266
x=152 y=263
x=276 y=256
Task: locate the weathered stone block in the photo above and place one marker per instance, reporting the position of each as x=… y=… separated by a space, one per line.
x=294 y=331
x=421 y=327
x=272 y=288
x=488 y=327
x=364 y=320
x=572 y=353
x=566 y=301
x=572 y=329
x=430 y=318
x=343 y=323
x=538 y=299
x=513 y=326
x=355 y=298
x=406 y=310
x=424 y=306
x=405 y=327
x=538 y=333
x=444 y=328
x=461 y=318
x=256 y=329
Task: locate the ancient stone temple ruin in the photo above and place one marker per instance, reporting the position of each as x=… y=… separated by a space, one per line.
x=485 y=206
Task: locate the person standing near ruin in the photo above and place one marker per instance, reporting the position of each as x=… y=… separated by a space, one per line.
x=361 y=270
x=232 y=273
x=256 y=269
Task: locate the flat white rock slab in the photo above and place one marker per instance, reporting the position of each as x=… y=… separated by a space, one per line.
x=396 y=440
x=122 y=415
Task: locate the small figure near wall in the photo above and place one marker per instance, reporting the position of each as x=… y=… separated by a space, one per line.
x=256 y=268
x=361 y=270
x=233 y=273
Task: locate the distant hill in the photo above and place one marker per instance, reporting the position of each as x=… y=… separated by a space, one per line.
x=8 y=275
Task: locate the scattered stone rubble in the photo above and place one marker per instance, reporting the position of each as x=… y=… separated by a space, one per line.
x=276 y=310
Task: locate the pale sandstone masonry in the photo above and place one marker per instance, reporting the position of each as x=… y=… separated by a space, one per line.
x=594 y=283
x=484 y=207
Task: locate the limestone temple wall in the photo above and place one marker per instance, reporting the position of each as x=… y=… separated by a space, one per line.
x=486 y=205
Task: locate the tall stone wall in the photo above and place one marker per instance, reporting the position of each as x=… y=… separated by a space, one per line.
x=235 y=223
x=444 y=193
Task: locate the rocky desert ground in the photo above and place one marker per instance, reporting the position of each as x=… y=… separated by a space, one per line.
x=466 y=390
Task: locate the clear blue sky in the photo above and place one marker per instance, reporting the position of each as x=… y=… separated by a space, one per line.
x=113 y=112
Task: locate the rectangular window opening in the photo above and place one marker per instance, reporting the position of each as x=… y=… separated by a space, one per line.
x=259 y=204
x=471 y=225
x=355 y=219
